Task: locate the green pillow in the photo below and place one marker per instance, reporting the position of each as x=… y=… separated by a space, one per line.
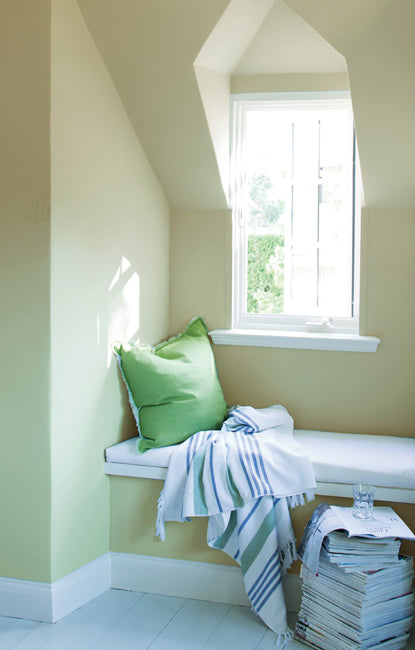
x=173 y=388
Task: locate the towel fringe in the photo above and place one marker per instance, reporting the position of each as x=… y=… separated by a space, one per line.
x=300 y=499
x=160 y=517
x=281 y=640
x=288 y=555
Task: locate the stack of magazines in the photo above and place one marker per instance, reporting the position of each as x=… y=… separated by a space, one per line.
x=360 y=597
x=361 y=553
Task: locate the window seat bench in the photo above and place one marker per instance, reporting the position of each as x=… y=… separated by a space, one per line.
x=339 y=460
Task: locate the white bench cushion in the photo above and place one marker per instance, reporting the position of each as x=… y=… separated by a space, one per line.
x=336 y=457
x=126 y=452
x=355 y=458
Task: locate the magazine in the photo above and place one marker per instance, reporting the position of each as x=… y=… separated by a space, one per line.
x=356 y=588
x=326 y=519
x=384 y=523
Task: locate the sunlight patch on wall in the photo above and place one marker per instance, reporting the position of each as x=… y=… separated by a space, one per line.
x=123 y=316
x=124 y=266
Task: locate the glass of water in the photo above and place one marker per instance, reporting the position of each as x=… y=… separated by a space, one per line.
x=363 y=496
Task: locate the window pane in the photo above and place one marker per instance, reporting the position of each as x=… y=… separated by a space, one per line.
x=268 y=172
x=333 y=296
x=303 y=283
x=296 y=197
x=265 y=294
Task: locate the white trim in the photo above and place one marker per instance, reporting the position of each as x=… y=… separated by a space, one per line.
x=314 y=95
x=217 y=583
x=48 y=603
x=296 y=340
x=42 y=601
x=183 y=578
x=136 y=471
x=26 y=599
x=241 y=104
x=383 y=493
x=392 y=494
x=81 y=586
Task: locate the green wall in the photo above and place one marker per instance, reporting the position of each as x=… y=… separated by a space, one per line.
x=25 y=482
x=92 y=265
x=84 y=261
x=334 y=391
x=109 y=281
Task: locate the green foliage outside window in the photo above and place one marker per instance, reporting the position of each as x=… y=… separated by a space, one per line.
x=265 y=281
x=263 y=210
x=265 y=294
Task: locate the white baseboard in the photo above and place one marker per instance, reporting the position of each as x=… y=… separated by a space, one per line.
x=48 y=603
x=199 y=580
x=81 y=586
x=42 y=601
x=26 y=599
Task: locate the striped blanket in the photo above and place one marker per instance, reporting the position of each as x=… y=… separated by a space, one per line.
x=245 y=478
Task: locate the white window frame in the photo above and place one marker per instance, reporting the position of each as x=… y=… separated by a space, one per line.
x=280 y=322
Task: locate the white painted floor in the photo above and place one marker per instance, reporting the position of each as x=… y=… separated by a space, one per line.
x=120 y=620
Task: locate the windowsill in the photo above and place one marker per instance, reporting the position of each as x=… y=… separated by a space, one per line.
x=296 y=340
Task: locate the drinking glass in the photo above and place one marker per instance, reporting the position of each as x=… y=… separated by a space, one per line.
x=363 y=496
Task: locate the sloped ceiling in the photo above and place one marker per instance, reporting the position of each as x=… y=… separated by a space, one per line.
x=287 y=44
x=150 y=47
x=376 y=38
x=342 y=23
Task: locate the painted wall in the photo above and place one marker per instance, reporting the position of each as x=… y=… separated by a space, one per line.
x=149 y=48
x=135 y=533
x=201 y=266
x=109 y=281
x=349 y=392
x=337 y=391
x=214 y=88
x=133 y=525
x=376 y=39
x=298 y=82
x=344 y=392
x=334 y=391
x=25 y=491
x=94 y=265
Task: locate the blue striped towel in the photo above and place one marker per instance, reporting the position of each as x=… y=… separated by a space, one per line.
x=245 y=478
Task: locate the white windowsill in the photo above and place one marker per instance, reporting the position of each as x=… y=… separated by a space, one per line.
x=296 y=340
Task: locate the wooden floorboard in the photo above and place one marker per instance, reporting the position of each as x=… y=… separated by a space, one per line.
x=192 y=626
x=120 y=620
x=240 y=629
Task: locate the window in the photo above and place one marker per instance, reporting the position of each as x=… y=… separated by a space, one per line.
x=296 y=229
